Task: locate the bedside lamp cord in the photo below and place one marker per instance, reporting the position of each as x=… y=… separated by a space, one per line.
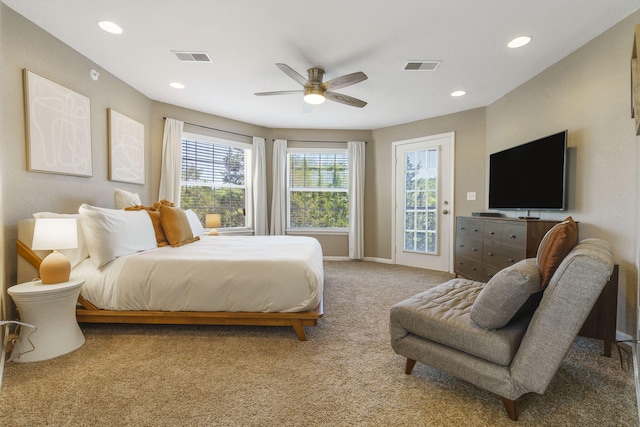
x=6 y=335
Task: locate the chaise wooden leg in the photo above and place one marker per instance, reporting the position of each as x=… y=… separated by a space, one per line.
x=510 y=406
x=409 y=367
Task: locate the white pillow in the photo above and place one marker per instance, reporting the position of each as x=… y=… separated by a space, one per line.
x=194 y=222
x=111 y=233
x=125 y=199
x=75 y=256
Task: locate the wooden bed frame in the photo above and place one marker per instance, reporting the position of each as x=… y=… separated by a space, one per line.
x=86 y=312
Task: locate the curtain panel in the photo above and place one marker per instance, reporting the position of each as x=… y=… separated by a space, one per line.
x=259 y=187
x=356 y=199
x=171 y=161
x=278 y=201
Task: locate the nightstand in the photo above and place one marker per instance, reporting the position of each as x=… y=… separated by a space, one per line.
x=52 y=310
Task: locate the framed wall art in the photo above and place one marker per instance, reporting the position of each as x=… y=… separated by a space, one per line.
x=126 y=148
x=635 y=80
x=58 y=127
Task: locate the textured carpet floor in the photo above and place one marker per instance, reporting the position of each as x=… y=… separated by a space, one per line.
x=345 y=375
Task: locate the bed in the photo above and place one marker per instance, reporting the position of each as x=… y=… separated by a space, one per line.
x=212 y=280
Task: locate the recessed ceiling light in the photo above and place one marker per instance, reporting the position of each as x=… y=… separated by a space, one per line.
x=519 y=42
x=176 y=85
x=458 y=93
x=110 y=27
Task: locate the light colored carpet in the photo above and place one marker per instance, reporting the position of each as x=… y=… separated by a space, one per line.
x=345 y=375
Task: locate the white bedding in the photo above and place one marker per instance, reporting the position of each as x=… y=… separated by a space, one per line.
x=216 y=273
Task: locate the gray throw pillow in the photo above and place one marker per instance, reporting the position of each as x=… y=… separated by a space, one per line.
x=512 y=292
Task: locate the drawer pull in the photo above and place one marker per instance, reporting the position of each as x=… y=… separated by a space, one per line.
x=462 y=228
x=474 y=250
x=475 y=230
x=512 y=236
x=511 y=260
x=490 y=253
x=492 y=232
x=473 y=268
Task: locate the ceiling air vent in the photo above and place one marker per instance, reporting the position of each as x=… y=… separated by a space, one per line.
x=422 y=65
x=193 y=56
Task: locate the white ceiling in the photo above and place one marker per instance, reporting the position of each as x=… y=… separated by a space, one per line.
x=245 y=38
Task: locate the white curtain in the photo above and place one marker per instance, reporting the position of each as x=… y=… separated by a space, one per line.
x=356 y=199
x=171 y=161
x=259 y=187
x=278 y=205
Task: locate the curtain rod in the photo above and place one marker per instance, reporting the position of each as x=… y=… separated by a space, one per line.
x=216 y=129
x=314 y=140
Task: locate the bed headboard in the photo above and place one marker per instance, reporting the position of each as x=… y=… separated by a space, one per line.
x=26 y=271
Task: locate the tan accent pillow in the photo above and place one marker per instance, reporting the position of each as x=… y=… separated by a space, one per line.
x=176 y=226
x=154 y=214
x=555 y=245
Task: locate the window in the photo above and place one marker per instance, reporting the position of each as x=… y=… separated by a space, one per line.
x=215 y=173
x=318 y=189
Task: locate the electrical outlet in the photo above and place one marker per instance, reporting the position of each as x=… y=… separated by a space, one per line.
x=471 y=195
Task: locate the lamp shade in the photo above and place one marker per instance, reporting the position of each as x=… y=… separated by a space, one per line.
x=213 y=221
x=55 y=233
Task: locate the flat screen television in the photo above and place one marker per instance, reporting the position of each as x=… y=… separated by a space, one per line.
x=531 y=176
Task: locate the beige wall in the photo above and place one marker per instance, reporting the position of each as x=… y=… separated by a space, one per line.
x=24 y=45
x=587 y=93
x=469 y=128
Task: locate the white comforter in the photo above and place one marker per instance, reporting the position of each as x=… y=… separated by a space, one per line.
x=217 y=273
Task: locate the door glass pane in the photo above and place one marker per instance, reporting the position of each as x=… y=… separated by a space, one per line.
x=421 y=201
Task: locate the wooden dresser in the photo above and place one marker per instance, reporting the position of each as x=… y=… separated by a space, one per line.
x=485 y=246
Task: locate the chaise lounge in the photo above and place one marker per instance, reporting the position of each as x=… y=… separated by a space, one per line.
x=457 y=326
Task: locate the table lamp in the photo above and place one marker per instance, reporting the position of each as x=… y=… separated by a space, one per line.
x=55 y=234
x=213 y=221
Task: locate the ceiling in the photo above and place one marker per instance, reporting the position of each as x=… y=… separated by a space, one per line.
x=246 y=38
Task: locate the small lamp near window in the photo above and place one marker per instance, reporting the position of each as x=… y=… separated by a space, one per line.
x=55 y=234
x=213 y=221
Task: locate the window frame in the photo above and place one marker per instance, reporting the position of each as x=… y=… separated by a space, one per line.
x=247 y=147
x=314 y=230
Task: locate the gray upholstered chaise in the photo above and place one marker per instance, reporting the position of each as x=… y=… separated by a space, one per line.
x=435 y=328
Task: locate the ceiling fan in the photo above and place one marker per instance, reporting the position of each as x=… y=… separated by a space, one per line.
x=315 y=91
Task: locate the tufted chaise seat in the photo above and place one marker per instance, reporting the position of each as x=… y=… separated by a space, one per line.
x=439 y=327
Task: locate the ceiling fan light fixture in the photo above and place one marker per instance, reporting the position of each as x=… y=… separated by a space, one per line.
x=314 y=96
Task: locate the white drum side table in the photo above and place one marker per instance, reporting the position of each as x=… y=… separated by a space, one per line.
x=52 y=310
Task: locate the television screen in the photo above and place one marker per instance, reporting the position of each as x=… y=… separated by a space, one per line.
x=530 y=176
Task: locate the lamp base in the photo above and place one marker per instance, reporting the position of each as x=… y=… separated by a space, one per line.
x=213 y=233
x=55 y=268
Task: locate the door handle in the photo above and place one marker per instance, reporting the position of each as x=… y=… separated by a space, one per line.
x=445 y=212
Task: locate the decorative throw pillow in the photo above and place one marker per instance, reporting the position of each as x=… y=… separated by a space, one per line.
x=123 y=199
x=555 y=245
x=161 y=239
x=194 y=222
x=513 y=292
x=176 y=226
x=111 y=233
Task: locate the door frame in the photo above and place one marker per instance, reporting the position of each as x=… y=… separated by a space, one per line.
x=452 y=226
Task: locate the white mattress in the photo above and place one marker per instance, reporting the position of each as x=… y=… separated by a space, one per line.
x=217 y=273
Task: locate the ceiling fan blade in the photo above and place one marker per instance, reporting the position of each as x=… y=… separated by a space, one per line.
x=279 y=92
x=293 y=74
x=344 y=81
x=344 y=99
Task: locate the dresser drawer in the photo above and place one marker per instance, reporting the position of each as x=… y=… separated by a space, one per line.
x=492 y=232
x=469 y=248
x=501 y=256
x=469 y=268
x=476 y=230
x=514 y=235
